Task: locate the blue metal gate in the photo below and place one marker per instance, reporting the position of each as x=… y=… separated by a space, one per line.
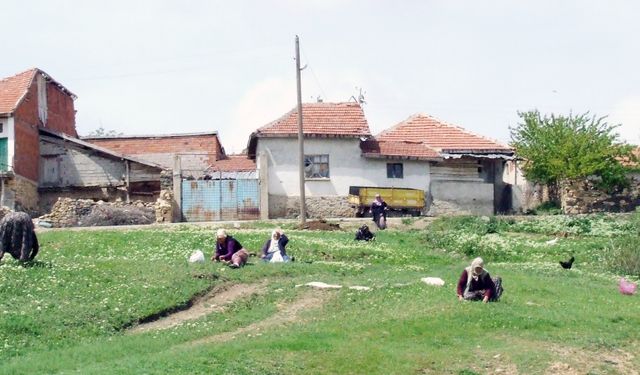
x=224 y=199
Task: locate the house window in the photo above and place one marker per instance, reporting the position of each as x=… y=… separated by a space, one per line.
x=316 y=166
x=394 y=170
x=1 y=127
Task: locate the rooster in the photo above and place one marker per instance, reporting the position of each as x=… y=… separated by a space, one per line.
x=627 y=287
x=567 y=265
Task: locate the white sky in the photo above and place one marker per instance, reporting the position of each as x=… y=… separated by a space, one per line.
x=155 y=67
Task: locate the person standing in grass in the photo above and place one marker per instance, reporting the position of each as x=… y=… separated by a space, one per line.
x=476 y=283
x=274 y=249
x=379 y=212
x=229 y=250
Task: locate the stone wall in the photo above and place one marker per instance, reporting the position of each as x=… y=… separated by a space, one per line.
x=317 y=207
x=583 y=196
x=21 y=194
x=164 y=207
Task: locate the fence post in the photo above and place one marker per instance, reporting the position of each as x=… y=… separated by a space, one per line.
x=177 y=187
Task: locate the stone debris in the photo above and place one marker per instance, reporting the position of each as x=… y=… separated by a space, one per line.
x=321 y=285
x=68 y=212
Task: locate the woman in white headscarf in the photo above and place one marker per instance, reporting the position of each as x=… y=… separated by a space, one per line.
x=475 y=283
x=274 y=249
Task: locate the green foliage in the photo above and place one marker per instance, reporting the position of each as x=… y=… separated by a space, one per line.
x=547 y=208
x=623 y=256
x=102 y=132
x=569 y=147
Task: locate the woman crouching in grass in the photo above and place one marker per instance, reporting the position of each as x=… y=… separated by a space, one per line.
x=229 y=250
x=476 y=284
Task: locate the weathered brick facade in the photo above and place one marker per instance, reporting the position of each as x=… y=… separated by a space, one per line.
x=178 y=143
x=20 y=96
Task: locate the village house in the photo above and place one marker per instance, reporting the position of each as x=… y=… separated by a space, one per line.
x=459 y=172
x=29 y=101
x=72 y=168
x=42 y=159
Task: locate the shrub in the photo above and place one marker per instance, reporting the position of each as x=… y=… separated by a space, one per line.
x=623 y=257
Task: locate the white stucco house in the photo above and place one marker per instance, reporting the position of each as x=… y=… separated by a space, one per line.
x=456 y=169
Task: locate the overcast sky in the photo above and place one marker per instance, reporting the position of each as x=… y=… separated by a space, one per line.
x=157 y=67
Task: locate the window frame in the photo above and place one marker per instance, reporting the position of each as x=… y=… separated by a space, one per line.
x=317 y=160
x=392 y=170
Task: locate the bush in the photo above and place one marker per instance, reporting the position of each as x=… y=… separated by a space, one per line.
x=103 y=215
x=624 y=257
x=547 y=208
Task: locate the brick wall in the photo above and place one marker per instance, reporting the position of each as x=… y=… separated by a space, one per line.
x=157 y=145
x=61 y=114
x=60 y=117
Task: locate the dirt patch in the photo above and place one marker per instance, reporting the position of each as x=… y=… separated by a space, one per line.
x=586 y=361
x=287 y=313
x=214 y=301
x=320 y=225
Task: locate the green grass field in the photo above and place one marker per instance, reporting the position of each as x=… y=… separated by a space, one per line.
x=72 y=310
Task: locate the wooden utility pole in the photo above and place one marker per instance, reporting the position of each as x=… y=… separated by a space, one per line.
x=303 y=210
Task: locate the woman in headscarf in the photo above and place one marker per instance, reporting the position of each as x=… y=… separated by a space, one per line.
x=475 y=283
x=229 y=250
x=379 y=212
x=274 y=249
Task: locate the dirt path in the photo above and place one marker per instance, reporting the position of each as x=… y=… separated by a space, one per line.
x=287 y=313
x=214 y=301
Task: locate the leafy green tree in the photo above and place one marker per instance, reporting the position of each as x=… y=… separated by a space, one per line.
x=568 y=147
x=101 y=132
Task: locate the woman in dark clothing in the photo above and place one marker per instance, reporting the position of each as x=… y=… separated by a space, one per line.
x=229 y=250
x=379 y=212
x=274 y=249
x=475 y=284
x=18 y=237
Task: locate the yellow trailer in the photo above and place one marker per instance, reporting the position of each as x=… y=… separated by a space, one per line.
x=401 y=201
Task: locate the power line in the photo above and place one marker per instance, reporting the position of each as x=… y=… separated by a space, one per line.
x=314 y=75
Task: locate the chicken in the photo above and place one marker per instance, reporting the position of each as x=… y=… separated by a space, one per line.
x=567 y=265
x=627 y=287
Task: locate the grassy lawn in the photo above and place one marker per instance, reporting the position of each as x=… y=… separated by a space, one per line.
x=71 y=311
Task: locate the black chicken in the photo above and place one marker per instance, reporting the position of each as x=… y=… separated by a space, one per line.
x=567 y=265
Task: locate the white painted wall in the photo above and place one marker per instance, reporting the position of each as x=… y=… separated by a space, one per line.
x=346 y=167
x=8 y=131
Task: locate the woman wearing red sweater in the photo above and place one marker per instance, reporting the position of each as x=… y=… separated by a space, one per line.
x=475 y=284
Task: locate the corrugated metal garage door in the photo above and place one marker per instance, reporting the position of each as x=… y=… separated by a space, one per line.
x=226 y=199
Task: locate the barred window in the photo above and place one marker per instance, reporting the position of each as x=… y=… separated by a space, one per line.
x=394 y=170
x=316 y=166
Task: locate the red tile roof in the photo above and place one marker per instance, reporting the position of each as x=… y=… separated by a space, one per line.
x=234 y=163
x=440 y=136
x=412 y=150
x=12 y=89
x=320 y=119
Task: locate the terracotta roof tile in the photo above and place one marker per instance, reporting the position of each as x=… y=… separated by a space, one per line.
x=234 y=163
x=440 y=136
x=332 y=119
x=12 y=89
x=421 y=151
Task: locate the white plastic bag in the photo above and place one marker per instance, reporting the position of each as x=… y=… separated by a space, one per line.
x=277 y=257
x=197 y=257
